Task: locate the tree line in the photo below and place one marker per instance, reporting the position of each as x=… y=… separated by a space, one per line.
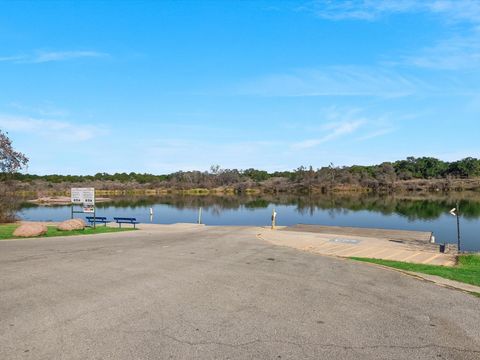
x=408 y=169
x=384 y=176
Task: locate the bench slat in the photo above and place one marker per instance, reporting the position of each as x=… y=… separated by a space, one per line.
x=121 y=220
x=126 y=220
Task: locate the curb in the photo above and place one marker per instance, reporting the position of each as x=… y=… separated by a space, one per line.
x=446 y=283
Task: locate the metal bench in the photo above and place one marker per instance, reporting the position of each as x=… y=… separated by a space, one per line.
x=97 y=219
x=124 y=220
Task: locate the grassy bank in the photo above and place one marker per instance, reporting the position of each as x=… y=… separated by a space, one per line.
x=467 y=270
x=6 y=231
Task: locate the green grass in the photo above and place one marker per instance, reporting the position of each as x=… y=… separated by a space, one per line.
x=467 y=270
x=6 y=231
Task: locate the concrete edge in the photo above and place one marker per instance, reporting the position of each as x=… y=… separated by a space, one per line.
x=62 y=237
x=446 y=283
x=110 y=225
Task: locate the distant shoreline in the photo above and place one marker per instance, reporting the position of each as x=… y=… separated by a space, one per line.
x=60 y=200
x=60 y=192
x=424 y=174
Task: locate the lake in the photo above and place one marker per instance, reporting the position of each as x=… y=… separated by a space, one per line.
x=419 y=212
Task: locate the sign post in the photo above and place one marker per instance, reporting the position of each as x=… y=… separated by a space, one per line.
x=456 y=212
x=84 y=197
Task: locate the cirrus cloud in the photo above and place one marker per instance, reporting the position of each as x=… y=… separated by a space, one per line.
x=336 y=130
x=449 y=10
x=52 y=129
x=41 y=56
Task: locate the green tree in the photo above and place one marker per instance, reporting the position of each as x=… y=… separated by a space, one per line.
x=468 y=167
x=11 y=161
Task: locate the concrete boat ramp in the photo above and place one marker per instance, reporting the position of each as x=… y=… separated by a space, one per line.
x=412 y=237
x=399 y=245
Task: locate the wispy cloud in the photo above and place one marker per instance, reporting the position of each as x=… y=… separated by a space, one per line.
x=357 y=10
x=376 y=133
x=54 y=130
x=351 y=123
x=459 y=52
x=52 y=56
x=333 y=81
x=335 y=130
x=171 y=154
x=42 y=57
x=44 y=109
x=13 y=58
x=450 y=10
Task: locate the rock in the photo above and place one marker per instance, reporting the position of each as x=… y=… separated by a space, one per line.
x=73 y=224
x=30 y=230
x=81 y=223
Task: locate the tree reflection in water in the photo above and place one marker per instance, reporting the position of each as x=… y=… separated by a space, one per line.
x=424 y=207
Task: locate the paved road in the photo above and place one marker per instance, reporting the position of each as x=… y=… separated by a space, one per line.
x=218 y=293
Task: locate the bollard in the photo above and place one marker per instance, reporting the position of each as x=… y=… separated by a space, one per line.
x=200 y=215
x=274 y=219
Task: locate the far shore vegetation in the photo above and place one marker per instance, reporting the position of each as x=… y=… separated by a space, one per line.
x=6 y=231
x=467 y=270
x=425 y=174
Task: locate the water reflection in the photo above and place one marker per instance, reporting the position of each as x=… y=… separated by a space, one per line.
x=413 y=208
x=420 y=212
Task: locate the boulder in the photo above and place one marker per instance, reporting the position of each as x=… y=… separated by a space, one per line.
x=81 y=223
x=73 y=224
x=30 y=230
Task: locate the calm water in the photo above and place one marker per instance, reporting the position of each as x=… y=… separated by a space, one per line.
x=410 y=213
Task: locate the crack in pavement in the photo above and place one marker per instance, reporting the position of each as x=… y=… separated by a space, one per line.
x=301 y=345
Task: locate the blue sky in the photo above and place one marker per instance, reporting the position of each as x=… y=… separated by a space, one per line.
x=159 y=86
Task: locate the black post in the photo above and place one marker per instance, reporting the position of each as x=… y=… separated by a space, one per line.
x=458 y=226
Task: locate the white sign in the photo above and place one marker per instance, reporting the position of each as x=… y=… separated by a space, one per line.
x=85 y=196
x=89 y=209
x=452 y=212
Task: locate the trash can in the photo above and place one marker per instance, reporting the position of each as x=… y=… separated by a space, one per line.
x=442 y=248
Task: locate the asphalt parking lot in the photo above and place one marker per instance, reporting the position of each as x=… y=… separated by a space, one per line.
x=218 y=293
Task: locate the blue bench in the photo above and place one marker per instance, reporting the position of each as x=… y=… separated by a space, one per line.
x=123 y=220
x=97 y=219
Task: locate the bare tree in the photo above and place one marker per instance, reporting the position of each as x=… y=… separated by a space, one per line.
x=11 y=161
